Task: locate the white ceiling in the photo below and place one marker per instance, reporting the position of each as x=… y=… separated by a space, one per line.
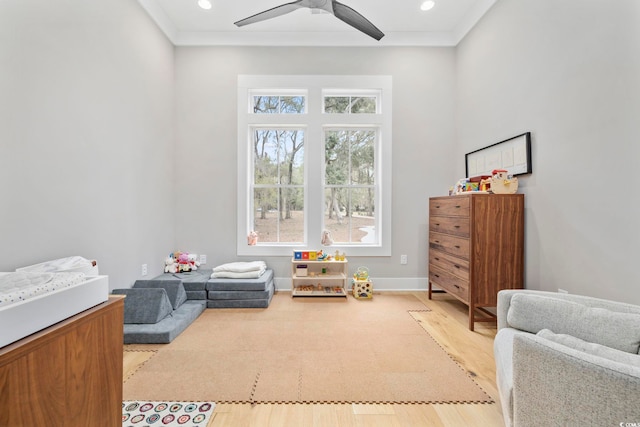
x=402 y=21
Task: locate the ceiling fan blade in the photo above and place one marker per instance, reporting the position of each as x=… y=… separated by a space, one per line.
x=357 y=21
x=271 y=13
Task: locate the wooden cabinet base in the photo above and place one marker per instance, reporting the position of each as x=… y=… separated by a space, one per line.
x=69 y=374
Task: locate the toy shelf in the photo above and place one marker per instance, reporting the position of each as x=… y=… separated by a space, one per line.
x=319 y=278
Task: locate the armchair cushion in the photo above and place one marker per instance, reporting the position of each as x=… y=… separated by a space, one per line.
x=532 y=313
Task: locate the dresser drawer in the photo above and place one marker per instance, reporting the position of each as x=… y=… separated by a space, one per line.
x=449 y=283
x=449 y=206
x=450 y=264
x=456 y=225
x=453 y=245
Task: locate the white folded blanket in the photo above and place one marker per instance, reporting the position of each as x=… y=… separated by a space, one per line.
x=231 y=275
x=241 y=267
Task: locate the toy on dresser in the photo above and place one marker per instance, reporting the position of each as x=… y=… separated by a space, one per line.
x=502 y=182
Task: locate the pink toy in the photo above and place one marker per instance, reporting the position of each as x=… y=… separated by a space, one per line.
x=252 y=238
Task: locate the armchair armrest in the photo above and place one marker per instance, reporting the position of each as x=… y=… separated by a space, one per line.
x=554 y=385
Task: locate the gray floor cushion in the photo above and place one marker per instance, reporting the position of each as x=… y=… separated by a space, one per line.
x=197 y=295
x=243 y=303
x=167 y=329
x=192 y=281
x=175 y=290
x=145 y=305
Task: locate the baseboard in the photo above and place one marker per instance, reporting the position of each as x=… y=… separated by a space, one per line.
x=379 y=283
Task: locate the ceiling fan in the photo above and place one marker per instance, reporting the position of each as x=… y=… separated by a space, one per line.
x=339 y=10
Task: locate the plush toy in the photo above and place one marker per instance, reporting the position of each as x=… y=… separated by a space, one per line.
x=193 y=261
x=170 y=265
x=183 y=263
x=252 y=238
x=326 y=239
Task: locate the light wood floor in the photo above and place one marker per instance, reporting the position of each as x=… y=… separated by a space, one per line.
x=447 y=323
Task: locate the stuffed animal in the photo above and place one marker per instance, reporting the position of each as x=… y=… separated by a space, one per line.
x=252 y=238
x=193 y=261
x=170 y=265
x=183 y=263
x=326 y=239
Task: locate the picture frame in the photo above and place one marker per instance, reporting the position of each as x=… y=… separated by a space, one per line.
x=513 y=154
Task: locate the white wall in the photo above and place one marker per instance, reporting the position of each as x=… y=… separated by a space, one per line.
x=86 y=136
x=569 y=72
x=423 y=135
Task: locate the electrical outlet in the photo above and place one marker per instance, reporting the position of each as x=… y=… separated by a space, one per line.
x=203 y=259
x=562 y=291
x=403 y=259
x=144 y=269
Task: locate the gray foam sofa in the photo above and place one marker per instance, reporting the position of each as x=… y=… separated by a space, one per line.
x=157 y=311
x=567 y=360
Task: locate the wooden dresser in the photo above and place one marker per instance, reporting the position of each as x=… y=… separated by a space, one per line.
x=476 y=248
x=69 y=374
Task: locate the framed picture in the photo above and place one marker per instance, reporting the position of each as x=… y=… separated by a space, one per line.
x=513 y=154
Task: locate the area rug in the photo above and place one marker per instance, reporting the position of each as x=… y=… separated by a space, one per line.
x=307 y=350
x=168 y=414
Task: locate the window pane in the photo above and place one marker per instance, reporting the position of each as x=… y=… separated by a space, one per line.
x=292 y=215
x=279 y=215
x=292 y=104
x=363 y=105
x=265 y=104
x=337 y=104
x=291 y=163
x=278 y=156
x=362 y=156
x=336 y=157
x=363 y=215
x=278 y=104
x=350 y=104
x=336 y=200
x=349 y=215
x=265 y=149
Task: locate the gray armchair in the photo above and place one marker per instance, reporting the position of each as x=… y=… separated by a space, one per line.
x=565 y=360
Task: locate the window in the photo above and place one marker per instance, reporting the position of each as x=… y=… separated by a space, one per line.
x=314 y=154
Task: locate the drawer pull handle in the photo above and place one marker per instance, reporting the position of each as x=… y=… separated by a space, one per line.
x=456 y=266
x=437 y=225
x=436 y=258
x=457 y=247
x=455 y=226
x=437 y=241
x=457 y=287
x=437 y=275
x=458 y=207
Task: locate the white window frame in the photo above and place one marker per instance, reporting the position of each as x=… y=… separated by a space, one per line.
x=315 y=88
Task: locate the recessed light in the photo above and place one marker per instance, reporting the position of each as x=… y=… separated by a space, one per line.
x=205 y=4
x=428 y=5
